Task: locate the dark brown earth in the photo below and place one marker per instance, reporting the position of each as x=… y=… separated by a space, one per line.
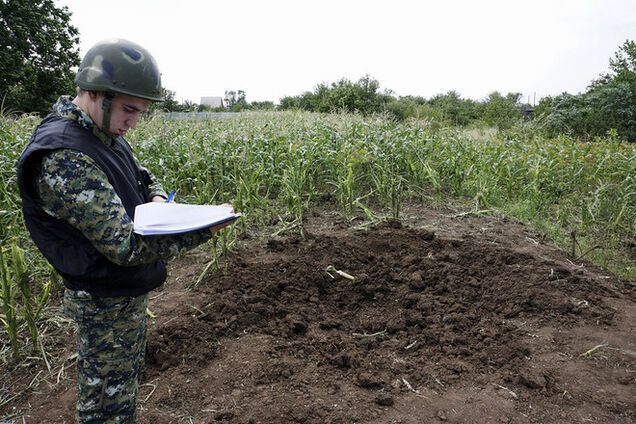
x=448 y=319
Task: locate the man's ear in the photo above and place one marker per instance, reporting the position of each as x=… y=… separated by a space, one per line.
x=93 y=95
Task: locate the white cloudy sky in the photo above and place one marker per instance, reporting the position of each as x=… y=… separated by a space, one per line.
x=273 y=48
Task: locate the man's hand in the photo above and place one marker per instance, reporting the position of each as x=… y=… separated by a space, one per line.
x=158 y=199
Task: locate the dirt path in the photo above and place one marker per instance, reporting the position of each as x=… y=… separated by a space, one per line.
x=459 y=320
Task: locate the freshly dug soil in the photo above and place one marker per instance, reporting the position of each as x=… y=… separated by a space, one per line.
x=435 y=319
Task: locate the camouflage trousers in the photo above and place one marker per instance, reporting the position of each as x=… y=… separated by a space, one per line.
x=111 y=343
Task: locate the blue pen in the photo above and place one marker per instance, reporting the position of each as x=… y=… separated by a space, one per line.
x=170 y=196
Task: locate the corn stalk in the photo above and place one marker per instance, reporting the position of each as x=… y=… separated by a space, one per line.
x=10 y=319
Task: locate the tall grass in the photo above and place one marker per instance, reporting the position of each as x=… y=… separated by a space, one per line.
x=9 y=317
x=284 y=163
x=274 y=167
x=25 y=278
x=14 y=135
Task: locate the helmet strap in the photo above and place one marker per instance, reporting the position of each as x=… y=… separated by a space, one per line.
x=107 y=102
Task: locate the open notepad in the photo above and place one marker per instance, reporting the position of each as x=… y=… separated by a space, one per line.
x=157 y=218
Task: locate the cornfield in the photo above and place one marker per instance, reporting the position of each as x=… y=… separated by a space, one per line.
x=276 y=166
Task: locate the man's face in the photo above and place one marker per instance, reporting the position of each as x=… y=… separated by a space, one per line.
x=124 y=112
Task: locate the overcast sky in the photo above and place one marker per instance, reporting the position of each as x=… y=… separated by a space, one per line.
x=274 y=48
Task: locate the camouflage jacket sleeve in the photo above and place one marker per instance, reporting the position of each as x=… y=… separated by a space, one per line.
x=154 y=185
x=156 y=189
x=73 y=188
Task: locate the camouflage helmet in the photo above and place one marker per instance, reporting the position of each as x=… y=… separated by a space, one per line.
x=120 y=66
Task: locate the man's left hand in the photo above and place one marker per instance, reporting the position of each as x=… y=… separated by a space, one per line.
x=158 y=199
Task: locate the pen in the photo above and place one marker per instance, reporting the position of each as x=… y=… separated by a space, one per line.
x=170 y=196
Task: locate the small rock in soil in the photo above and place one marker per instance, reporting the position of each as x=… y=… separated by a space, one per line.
x=224 y=416
x=625 y=379
x=532 y=379
x=441 y=415
x=297 y=326
x=369 y=381
x=384 y=400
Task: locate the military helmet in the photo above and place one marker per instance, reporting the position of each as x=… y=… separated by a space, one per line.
x=120 y=66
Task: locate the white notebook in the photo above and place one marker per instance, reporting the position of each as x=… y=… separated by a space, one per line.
x=157 y=218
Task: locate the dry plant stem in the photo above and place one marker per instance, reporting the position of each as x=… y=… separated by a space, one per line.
x=472 y=212
x=513 y=394
x=379 y=333
x=9 y=399
x=201 y=313
x=204 y=272
x=408 y=385
x=290 y=226
x=587 y=251
x=60 y=374
x=595 y=350
x=154 y=387
x=43 y=352
x=34 y=380
x=628 y=352
x=411 y=345
x=343 y=274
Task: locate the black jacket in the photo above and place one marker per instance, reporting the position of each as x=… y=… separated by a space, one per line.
x=73 y=256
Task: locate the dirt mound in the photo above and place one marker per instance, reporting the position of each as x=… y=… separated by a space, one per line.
x=443 y=299
x=467 y=321
x=412 y=312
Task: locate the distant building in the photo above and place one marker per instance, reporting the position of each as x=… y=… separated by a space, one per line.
x=213 y=102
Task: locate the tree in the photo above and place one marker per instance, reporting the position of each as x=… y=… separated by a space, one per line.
x=361 y=96
x=502 y=111
x=416 y=107
x=608 y=104
x=612 y=106
x=305 y=101
x=189 y=106
x=169 y=103
x=594 y=113
x=263 y=105
x=562 y=114
x=38 y=49
x=288 y=102
x=235 y=100
x=456 y=110
x=622 y=66
x=615 y=94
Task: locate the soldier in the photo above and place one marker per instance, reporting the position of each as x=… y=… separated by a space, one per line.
x=79 y=184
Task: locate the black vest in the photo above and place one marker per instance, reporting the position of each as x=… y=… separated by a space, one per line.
x=73 y=256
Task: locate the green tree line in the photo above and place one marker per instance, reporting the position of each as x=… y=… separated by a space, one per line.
x=39 y=51
x=608 y=104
